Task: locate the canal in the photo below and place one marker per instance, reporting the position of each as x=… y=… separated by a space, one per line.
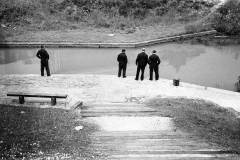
x=213 y=66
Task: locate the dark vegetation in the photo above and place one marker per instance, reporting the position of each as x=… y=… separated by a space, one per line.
x=117 y=14
x=27 y=133
x=207 y=120
x=227 y=18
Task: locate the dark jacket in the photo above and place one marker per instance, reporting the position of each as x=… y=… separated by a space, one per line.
x=43 y=55
x=154 y=60
x=142 y=59
x=122 y=58
x=237 y=86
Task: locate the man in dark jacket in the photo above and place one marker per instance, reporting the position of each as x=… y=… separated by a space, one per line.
x=141 y=62
x=154 y=62
x=122 y=66
x=44 y=56
x=237 y=85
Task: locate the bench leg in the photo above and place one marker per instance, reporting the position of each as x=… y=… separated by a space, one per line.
x=53 y=101
x=21 y=99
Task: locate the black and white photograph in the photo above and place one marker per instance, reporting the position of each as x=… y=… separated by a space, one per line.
x=119 y=79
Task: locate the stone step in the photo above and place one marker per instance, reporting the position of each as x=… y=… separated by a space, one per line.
x=174 y=157
x=111 y=109
x=117 y=110
x=120 y=113
x=132 y=148
x=212 y=152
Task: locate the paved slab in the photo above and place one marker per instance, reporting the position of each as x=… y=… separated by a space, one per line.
x=110 y=88
x=133 y=131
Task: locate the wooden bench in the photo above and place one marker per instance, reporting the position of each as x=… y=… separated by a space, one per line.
x=21 y=96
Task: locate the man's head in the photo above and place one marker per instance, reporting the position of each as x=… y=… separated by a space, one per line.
x=143 y=49
x=123 y=50
x=154 y=51
x=42 y=46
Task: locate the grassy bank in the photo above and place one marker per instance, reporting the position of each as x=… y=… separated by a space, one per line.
x=216 y=124
x=72 y=20
x=100 y=35
x=43 y=133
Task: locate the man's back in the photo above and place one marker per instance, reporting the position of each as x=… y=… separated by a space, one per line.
x=122 y=58
x=154 y=60
x=142 y=59
x=43 y=54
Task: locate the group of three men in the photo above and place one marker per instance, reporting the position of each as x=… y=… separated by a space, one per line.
x=141 y=61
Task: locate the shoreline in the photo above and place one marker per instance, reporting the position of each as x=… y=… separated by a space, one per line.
x=96 y=89
x=67 y=44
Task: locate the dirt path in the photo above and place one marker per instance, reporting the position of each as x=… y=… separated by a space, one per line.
x=133 y=131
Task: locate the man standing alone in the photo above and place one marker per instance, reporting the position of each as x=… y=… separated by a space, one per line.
x=141 y=62
x=44 y=56
x=122 y=66
x=154 y=62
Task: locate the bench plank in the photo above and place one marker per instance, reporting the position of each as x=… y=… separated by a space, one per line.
x=21 y=96
x=42 y=95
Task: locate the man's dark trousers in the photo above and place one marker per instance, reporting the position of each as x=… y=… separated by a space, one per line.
x=44 y=64
x=155 y=69
x=122 y=69
x=142 y=68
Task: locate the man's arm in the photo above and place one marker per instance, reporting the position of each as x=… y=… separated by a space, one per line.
x=149 y=60
x=137 y=60
x=159 y=61
x=38 y=55
x=118 y=58
x=146 y=60
x=47 y=55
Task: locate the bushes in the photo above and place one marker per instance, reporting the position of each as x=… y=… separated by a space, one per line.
x=17 y=10
x=13 y=10
x=99 y=19
x=133 y=7
x=227 y=18
x=101 y=13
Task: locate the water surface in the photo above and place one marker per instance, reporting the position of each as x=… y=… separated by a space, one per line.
x=214 y=66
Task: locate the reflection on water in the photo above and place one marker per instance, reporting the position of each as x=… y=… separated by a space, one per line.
x=9 y=56
x=216 y=66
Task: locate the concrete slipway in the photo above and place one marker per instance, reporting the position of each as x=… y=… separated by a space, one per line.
x=111 y=89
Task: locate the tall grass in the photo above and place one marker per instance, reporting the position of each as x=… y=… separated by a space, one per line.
x=27 y=133
x=207 y=120
x=118 y=14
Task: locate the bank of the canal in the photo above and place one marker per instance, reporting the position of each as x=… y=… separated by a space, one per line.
x=126 y=44
x=111 y=89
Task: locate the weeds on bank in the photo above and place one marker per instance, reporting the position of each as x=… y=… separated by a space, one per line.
x=207 y=120
x=118 y=14
x=35 y=132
